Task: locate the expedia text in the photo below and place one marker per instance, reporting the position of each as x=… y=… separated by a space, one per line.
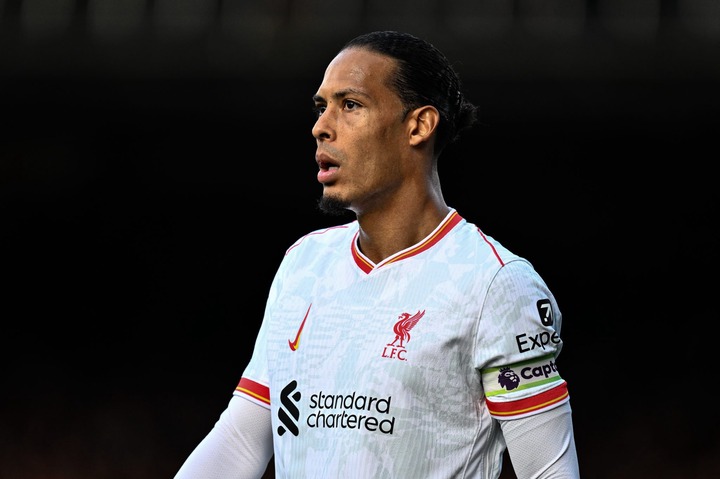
x=527 y=343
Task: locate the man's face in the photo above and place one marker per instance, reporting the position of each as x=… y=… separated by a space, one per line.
x=361 y=134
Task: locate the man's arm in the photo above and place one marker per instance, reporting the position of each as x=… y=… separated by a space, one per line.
x=542 y=446
x=239 y=446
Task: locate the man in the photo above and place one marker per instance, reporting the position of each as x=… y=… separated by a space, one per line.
x=408 y=343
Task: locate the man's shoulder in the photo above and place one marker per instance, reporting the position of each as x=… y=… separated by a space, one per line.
x=325 y=236
x=474 y=242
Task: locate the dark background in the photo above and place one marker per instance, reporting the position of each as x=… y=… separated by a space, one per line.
x=156 y=161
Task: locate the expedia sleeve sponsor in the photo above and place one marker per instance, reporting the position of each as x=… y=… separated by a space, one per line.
x=528 y=342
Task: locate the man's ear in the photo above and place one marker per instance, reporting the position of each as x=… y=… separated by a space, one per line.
x=424 y=122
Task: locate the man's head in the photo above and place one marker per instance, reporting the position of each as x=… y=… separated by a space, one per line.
x=424 y=77
x=388 y=104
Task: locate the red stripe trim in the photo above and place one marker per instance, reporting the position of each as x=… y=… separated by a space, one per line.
x=491 y=247
x=254 y=390
x=359 y=260
x=531 y=404
x=432 y=240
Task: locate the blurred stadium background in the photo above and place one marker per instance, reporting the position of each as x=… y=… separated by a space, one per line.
x=156 y=160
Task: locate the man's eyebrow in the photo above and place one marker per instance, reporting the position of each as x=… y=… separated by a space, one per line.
x=341 y=94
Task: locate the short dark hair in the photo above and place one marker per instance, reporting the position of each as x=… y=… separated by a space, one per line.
x=424 y=77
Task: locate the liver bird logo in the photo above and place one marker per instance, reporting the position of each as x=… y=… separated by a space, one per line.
x=402 y=328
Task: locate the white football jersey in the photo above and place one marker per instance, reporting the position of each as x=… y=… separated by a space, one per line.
x=402 y=368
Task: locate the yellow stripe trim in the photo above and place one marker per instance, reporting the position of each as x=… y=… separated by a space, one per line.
x=256 y=396
x=539 y=406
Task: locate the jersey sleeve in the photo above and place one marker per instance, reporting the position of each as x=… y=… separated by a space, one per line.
x=518 y=344
x=254 y=383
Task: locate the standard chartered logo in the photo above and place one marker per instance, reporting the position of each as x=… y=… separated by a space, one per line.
x=351 y=411
x=335 y=411
x=289 y=413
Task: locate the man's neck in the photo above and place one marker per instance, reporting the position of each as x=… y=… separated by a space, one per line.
x=384 y=233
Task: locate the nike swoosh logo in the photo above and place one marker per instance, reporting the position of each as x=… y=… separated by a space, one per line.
x=294 y=344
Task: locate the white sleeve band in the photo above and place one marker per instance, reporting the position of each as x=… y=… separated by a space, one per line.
x=542 y=446
x=239 y=446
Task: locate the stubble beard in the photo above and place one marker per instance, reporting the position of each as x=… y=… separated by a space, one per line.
x=333 y=206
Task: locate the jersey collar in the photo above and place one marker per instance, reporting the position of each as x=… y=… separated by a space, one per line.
x=445 y=226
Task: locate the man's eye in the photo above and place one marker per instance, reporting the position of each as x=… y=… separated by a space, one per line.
x=319 y=110
x=350 y=105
